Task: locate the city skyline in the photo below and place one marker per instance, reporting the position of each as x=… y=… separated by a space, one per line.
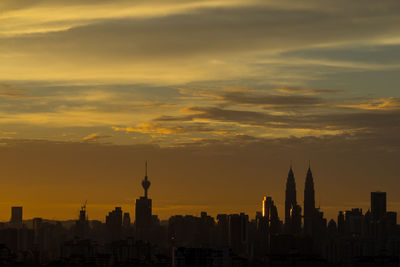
x=228 y=240
x=284 y=209
x=199 y=133
x=218 y=95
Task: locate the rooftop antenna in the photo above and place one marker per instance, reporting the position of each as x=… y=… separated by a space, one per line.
x=146 y=183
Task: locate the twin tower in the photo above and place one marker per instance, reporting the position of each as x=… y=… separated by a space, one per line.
x=293 y=210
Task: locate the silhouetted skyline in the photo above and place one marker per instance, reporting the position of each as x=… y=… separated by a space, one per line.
x=305 y=236
x=229 y=131
x=295 y=217
x=183 y=184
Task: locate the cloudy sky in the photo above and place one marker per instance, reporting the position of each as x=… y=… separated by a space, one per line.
x=220 y=96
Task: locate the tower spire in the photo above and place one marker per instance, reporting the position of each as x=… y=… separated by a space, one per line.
x=290 y=198
x=309 y=194
x=146 y=183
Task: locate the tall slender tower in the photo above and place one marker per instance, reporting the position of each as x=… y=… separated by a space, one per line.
x=143 y=214
x=309 y=204
x=290 y=200
x=146 y=183
x=309 y=195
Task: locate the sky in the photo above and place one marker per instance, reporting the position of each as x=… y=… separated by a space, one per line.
x=220 y=96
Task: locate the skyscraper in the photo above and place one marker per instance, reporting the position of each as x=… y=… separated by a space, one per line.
x=238 y=233
x=270 y=214
x=309 y=195
x=82 y=224
x=114 y=224
x=126 y=222
x=266 y=207
x=378 y=205
x=309 y=203
x=143 y=214
x=16 y=215
x=290 y=200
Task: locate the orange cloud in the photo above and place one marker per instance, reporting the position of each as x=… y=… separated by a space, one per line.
x=95 y=137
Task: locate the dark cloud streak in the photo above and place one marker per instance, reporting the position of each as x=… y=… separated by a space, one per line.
x=371 y=120
x=273 y=100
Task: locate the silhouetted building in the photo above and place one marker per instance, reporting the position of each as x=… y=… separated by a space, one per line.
x=341 y=225
x=259 y=235
x=36 y=224
x=354 y=222
x=292 y=210
x=290 y=196
x=114 y=224
x=275 y=224
x=82 y=224
x=378 y=205
x=16 y=216
x=309 y=203
x=222 y=238
x=238 y=233
x=332 y=227
x=126 y=222
x=391 y=222
x=192 y=231
x=357 y=239
x=17 y=239
x=295 y=223
x=382 y=224
x=266 y=207
x=143 y=213
x=206 y=230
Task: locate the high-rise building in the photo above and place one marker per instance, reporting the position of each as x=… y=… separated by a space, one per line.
x=82 y=213
x=295 y=222
x=36 y=225
x=354 y=220
x=16 y=215
x=290 y=196
x=270 y=213
x=114 y=223
x=378 y=205
x=127 y=220
x=82 y=224
x=309 y=195
x=275 y=224
x=238 y=233
x=292 y=210
x=143 y=214
x=341 y=223
x=391 y=222
x=309 y=203
x=223 y=230
x=266 y=207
